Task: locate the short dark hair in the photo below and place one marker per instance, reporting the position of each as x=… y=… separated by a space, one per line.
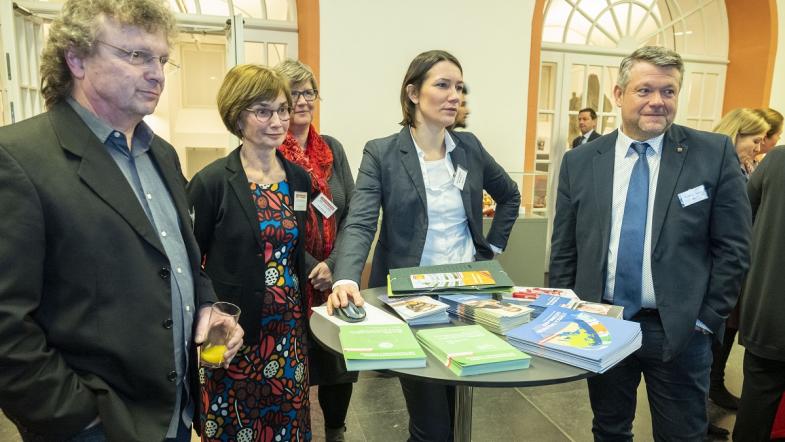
x=415 y=75
x=590 y=111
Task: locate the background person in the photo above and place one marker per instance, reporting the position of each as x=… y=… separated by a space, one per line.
x=463 y=110
x=587 y=123
x=747 y=129
x=323 y=156
x=775 y=121
x=660 y=225
x=761 y=328
x=428 y=181
x=249 y=219
x=101 y=280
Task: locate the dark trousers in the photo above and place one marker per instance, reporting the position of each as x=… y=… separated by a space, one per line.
x=334 y=400
x=97 y=434
x=764 y=383
x=431 y=410
x=677 y=389
x=721 y=352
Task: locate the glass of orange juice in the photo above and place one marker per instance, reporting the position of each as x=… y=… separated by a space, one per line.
x=223 y=319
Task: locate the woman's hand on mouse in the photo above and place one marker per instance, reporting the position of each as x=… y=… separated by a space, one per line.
x=341 y=295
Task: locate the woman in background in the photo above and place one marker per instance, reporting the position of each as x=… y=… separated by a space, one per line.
x=428 y=181
x=747 y=129
x=325 y=160
x=249 y=220
x=775 y=121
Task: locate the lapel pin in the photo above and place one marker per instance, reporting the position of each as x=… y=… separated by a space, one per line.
x=679 y=149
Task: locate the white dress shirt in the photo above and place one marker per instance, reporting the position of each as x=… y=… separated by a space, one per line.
x=448 y=239
x=624 y=158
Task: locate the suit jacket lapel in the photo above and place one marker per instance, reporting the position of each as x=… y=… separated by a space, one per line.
x=458 y=156
x=100 y=173
x=603 y=185
x=239 y=183
x=673 y=155
x=411 y=162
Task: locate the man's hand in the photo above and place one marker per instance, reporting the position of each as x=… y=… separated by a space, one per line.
x=203 y=325
x=321 y=277
x=341 y=295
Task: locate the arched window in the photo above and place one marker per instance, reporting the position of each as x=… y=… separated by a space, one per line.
x=583 y=44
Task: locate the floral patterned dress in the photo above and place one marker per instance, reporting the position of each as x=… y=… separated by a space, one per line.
x=263 y=395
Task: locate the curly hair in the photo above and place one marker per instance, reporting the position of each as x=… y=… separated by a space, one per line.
x=77 y=28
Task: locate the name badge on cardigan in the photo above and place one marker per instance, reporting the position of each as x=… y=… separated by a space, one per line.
x=324 y=205
x=300 y=201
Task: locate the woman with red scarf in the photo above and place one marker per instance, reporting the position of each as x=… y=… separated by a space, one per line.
x=325 y=160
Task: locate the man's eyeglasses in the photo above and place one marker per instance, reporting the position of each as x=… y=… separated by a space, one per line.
x=144 y=58
x=264 y=115
x=308 y=94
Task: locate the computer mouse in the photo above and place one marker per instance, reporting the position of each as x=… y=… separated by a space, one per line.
x=350 y=313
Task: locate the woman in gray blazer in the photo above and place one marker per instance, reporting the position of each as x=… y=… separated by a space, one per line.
x=429 y=183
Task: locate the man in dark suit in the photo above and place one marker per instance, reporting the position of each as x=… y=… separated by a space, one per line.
x=654 y=217
x=587 y=123
x=102 y=297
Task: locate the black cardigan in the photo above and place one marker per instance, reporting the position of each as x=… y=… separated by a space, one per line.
x=228 y=234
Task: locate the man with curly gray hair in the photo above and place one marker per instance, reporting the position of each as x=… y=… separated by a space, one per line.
x=102 y=297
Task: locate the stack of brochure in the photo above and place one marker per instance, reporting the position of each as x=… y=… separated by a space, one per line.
x=527 y=295
x=591 y=342
x=470 y=350
x=496 y=316
x=379 y=342
x=418 y=310
x=545 y=301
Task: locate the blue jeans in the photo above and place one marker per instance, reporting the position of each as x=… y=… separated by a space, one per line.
x=677 y=389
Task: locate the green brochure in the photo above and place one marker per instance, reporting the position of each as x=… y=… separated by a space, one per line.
x=467 y=276
x=380 y=347
x=471 y=349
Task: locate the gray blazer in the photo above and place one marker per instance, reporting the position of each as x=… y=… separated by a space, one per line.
x=390 y=178
x=699 y=253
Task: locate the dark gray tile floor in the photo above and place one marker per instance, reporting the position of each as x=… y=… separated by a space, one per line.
x=377 y=412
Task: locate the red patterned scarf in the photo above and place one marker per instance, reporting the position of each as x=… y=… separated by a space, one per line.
x=317 y=160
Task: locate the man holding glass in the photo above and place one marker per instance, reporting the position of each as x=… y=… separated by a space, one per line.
x=101 y=277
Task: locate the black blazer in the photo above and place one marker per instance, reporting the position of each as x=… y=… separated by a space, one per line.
x=577 y=141
x=85 y=296
x=227 y=230
x=390 y=178
x=699 y=253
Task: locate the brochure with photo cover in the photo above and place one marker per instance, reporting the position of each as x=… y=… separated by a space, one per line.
x=592 y=342
x=468 y=276
x=418 y=310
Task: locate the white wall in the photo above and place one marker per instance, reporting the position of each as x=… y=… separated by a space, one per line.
x=777 y=100
x=366 y=47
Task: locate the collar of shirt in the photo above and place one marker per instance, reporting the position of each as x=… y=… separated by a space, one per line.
x=588 y=134
x=449 y=144
x=143 y=134
x=623 y=143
